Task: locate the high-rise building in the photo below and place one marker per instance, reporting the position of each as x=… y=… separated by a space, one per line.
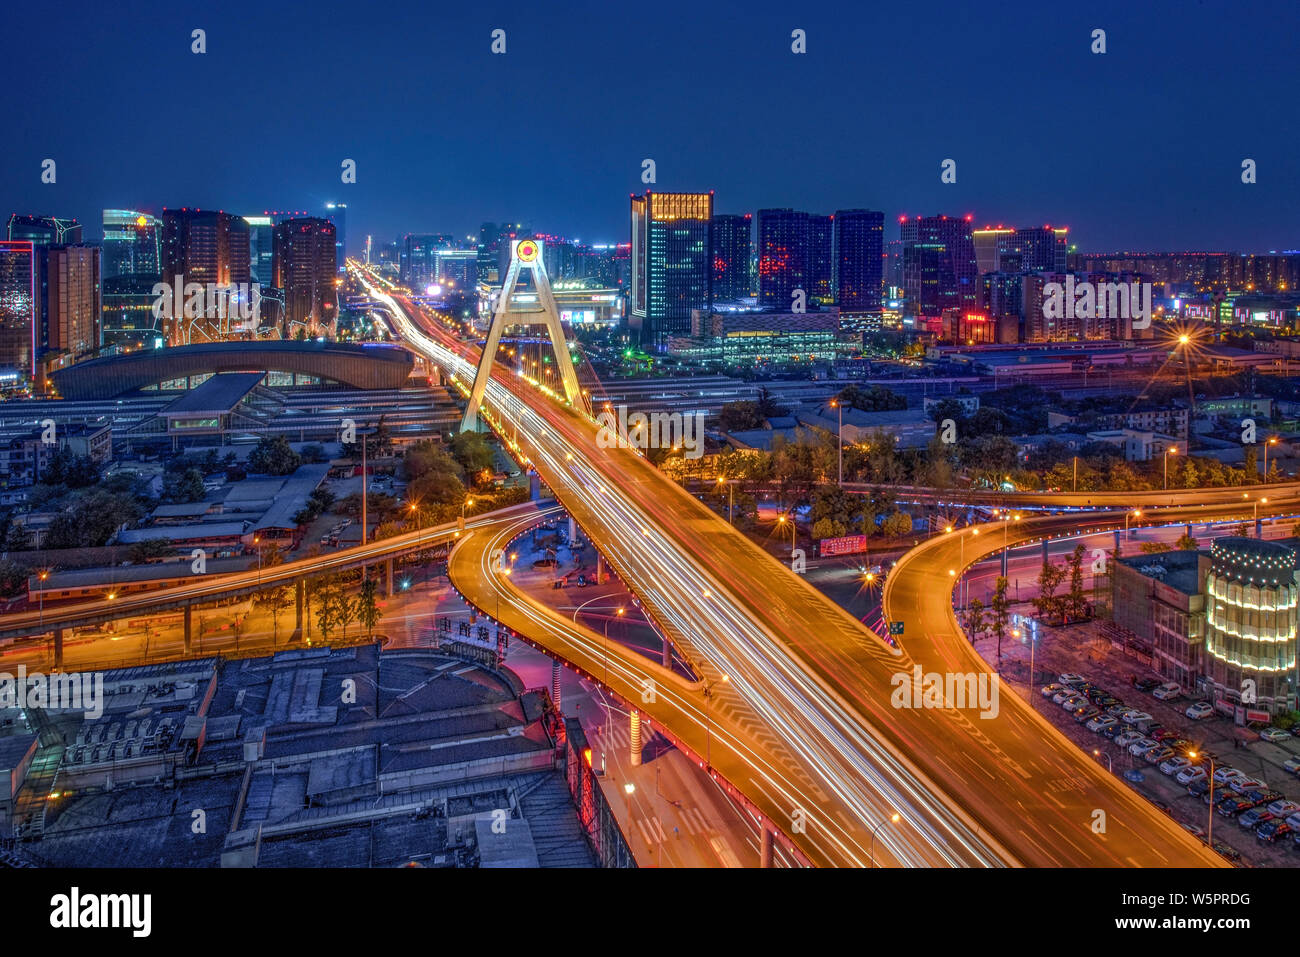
x=205 y=246
x=131 y=244
x=986 y=242
x=261 y=249
x=305 y=269
x=44 y=230
x=732 y=243
x=18 y=307
x=337 y=213
x=419 y=263
x=821 y=259
x=73 y=306
x=127 y=320
x=939 y=268
x=457 y=268
x=1037 y=248
x=859 y=260
x=672 y=263
x=783 y=254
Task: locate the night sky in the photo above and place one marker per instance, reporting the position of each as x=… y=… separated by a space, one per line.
x=1139 y=148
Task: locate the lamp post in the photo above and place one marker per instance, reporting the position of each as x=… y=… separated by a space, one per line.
x=1259 y=532
x=1272 y=441
x=839 y=435
x=619 y=611
x=1136 y=513
x=44 y=574
x=1102 y=754
x=1172 y=450
x=469 y=500
x=794 y=532
x=892 y=819
x=731 y=495
x=1209 y=830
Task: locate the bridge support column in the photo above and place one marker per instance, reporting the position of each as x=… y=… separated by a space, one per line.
x=58 y=647
x=573 y=530
x=556 y=670
x=600 y=569
x=668 y=653
x=388 y=577
x=1005 y=553
x=1117 y=545
x=636 y=738
x=765 y=855
x=1045 y=559
x=189 y=624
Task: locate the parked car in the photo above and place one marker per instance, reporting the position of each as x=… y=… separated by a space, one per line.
x=1291 y=765
x=1127 y=738
x=1145 y=684
x=1072 y=679
x=1101 y=722
x=1223 y=774
x=1256 y=816
x=1086 y=713
x=1172 y=765
x=1111 y=731
x=1118 y=709
x=1074 y=702
x=1141 y=746
x=1048 y=691
x=1194 y=829
x=1191 y=774
x=1246 y=783
x=1271 y=831
x=1163 y=734
x=1136 y=717
x=1061 y=695
x=1200 y=786
x=1181 y=745
x=1199 y=711
x=1275 y=735
x=1284 y=807
x=1157 y=755
x=1167 y=691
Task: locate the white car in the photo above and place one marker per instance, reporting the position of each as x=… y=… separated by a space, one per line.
x=1190 y=773
x=1224 y=775
x=1202 y=709
x=1174 y=765
x=1283 y=807
x=1134 y=717
x=1127 y=738
x=1074 y=702
x=1101 y=722
x=1167 y=691
x=1141 y=745
x=1291 y=765
x=1063 y=694
x=1070 y=678
x=1275 y=735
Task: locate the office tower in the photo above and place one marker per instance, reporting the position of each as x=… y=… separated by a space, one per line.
x=858 y=257
x=44 y=230
x=782 y=257
x=305 y=269
x=18 y=319
x=418 y=267
x=337 y=213
x=205 y=246
x=73 y=309
x=261 y=249
x=494 y=245
x=131 y=244
x=127 y=320
x=732 y=243
x=1002 y=300
x=893 y=264
x=939 y=268
x=821 y=259
x=672 y=265
x=457 y=268
x=986 y=242
x=1039 y=249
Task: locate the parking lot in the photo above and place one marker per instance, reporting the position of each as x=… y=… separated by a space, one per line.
x=1081 y=650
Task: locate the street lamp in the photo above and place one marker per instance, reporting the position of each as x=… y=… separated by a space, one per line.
x=619 y=611
x=1136 y=513
x=1172 y=450
x=1102 y=754
x=1259 y=531
x=839 y=435
x=794 y=532
x=44 y=574
x=1209 y=831
x=469 y=500
x=892 y=819
x=1271 y=441
x=731 y=495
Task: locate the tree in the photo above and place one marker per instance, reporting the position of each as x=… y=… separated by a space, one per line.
x=999 y=614
x=313 y=453
x=90 y=518
x=184 y=487
x=275 y=600
x=896 y=525
x=13 y=578
x=1186 y=543
x=1049 y=579
x=273 y=456
x=1074 y=604
x=1251 y=465
x=367 y=608
x=739 y=417
x=975 y=623
x=150 y=549
x=472 y=452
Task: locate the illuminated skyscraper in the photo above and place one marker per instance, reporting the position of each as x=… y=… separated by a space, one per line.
x=986 y=242
x=859 y=260
x=939 y=268
x=732 y=243
x=672 y=263
x=131 y=244
x=73 y=300
x=419 y=262
x=44 y=230
x=337 y=213
x=305 y=269
x=18 y=308
x=821 y=259
x=261 y=251
x=783 y=257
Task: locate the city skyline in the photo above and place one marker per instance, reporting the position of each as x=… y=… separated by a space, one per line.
x=783 y=143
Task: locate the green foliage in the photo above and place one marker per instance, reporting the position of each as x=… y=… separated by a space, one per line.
x=90 y=517
x=273 y=456
x=150 y=549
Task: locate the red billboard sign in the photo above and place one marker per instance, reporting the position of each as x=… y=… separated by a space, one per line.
x=848 y=545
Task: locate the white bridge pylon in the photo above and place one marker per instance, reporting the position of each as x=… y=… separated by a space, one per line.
x=524 y=254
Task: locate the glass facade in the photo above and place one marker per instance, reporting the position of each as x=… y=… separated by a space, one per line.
x=859 y=262
x=672 y=263
x=131 y=244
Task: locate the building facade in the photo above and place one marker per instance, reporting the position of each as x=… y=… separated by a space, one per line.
x=672 y=267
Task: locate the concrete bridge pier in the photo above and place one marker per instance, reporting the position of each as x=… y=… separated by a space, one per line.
x=600 y=569
x=765 y=854
x=636 y=738
x=668 y=653
x=573 y=530
x=58 y=647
